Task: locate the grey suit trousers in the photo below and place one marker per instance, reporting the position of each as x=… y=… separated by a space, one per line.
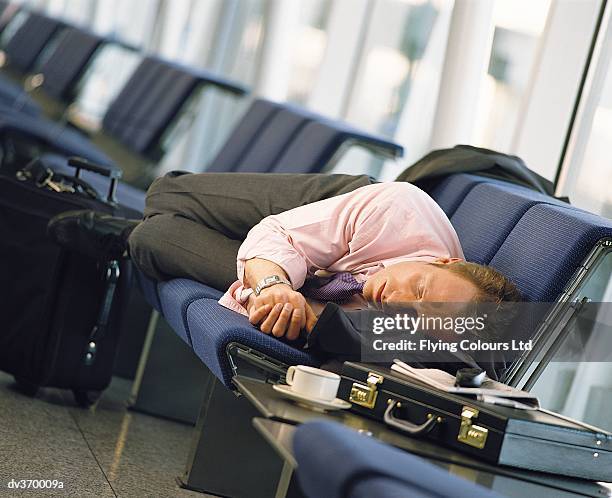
x=194 y=223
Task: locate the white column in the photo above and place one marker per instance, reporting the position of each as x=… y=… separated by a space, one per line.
x=467 y=55
x=207 y=133
x=345 y=30
x=281 y=23
x=416 y=119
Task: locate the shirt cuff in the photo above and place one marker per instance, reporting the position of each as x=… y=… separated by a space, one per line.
x=294 y=266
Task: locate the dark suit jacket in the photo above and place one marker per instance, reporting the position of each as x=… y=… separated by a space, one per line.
x=468 y=159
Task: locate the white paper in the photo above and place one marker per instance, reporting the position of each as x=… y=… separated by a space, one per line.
x=490 y=391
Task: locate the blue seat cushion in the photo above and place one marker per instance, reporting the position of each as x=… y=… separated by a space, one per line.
x=488 y=213
x=337 y=462
x=45 y=134
x=176 y=296
x=212 y=327
x=546 y=247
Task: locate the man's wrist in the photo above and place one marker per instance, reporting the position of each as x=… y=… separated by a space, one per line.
x=269 y=281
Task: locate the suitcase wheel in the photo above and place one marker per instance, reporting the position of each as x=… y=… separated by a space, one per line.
x=26 y=387
x=85 y=398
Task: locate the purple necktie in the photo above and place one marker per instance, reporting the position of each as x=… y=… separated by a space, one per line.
x=337 y=289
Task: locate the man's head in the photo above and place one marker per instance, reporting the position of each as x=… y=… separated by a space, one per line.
x=446 y=280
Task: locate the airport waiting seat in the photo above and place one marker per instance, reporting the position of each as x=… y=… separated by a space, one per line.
x=536 y=240
x=364 y=467
x=72 y=50
x=20 y=54
x=283 y=138
x=152 y=99
x=23 y=48
x=262 y=143
x=65 y=61
x=143 y=111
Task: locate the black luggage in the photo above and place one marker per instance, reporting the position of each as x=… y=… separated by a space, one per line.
x=528 y=439
x=60 y=310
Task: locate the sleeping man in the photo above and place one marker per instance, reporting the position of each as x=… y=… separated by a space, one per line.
x=284 y=245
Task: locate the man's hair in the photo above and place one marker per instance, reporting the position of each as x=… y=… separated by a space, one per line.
x=493 y=286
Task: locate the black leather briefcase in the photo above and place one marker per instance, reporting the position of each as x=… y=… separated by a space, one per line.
x=527 y=439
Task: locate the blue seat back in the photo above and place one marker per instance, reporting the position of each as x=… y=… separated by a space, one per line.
x=148 y=104
x=450 y=191
x=62 y=69
x=321 y=141
x=244 y=135
x=272 y=140
x=487 y=215
x=312 y=149
x=335 y=461
x=546 y=247
x=283 y=138
x=535 y=240
x=120 y=107
x=25 y=46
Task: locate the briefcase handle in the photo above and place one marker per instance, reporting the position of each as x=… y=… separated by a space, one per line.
x=409 y=427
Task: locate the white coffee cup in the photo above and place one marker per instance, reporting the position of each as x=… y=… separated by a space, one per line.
x=313 y=382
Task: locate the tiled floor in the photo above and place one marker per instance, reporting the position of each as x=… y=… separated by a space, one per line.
x=104 y=451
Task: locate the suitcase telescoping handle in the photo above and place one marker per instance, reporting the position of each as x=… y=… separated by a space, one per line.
x=409 y=427
x=112 y=274
x=113 y=173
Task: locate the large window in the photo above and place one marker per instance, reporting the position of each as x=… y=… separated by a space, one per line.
x=76 y=11
x=130 y=21
x=401 y=36
x=187 y=29
x=309 y=47
x=518 y=25
x=396 y=79
x=587 y=177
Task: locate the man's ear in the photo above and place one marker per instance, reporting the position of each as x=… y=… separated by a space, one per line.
x=447 y=261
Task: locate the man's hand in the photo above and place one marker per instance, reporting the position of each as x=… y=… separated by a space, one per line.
x=280 y=310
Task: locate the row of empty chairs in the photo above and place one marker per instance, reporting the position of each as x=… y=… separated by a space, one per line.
x=270 y=137
x=147 y=106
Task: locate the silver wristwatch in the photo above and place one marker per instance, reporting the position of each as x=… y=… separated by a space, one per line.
x=266 y=282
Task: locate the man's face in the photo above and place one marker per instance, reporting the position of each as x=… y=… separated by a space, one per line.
x=411 y=282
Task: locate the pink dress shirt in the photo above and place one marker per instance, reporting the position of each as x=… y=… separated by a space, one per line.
x=360 y=232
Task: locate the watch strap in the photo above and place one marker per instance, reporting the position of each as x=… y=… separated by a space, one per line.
x=269 y=281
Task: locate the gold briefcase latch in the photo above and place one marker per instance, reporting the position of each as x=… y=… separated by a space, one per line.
x=470 y=434
x=365 y=395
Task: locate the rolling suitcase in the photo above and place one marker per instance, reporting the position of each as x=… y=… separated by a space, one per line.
x=60 y=310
